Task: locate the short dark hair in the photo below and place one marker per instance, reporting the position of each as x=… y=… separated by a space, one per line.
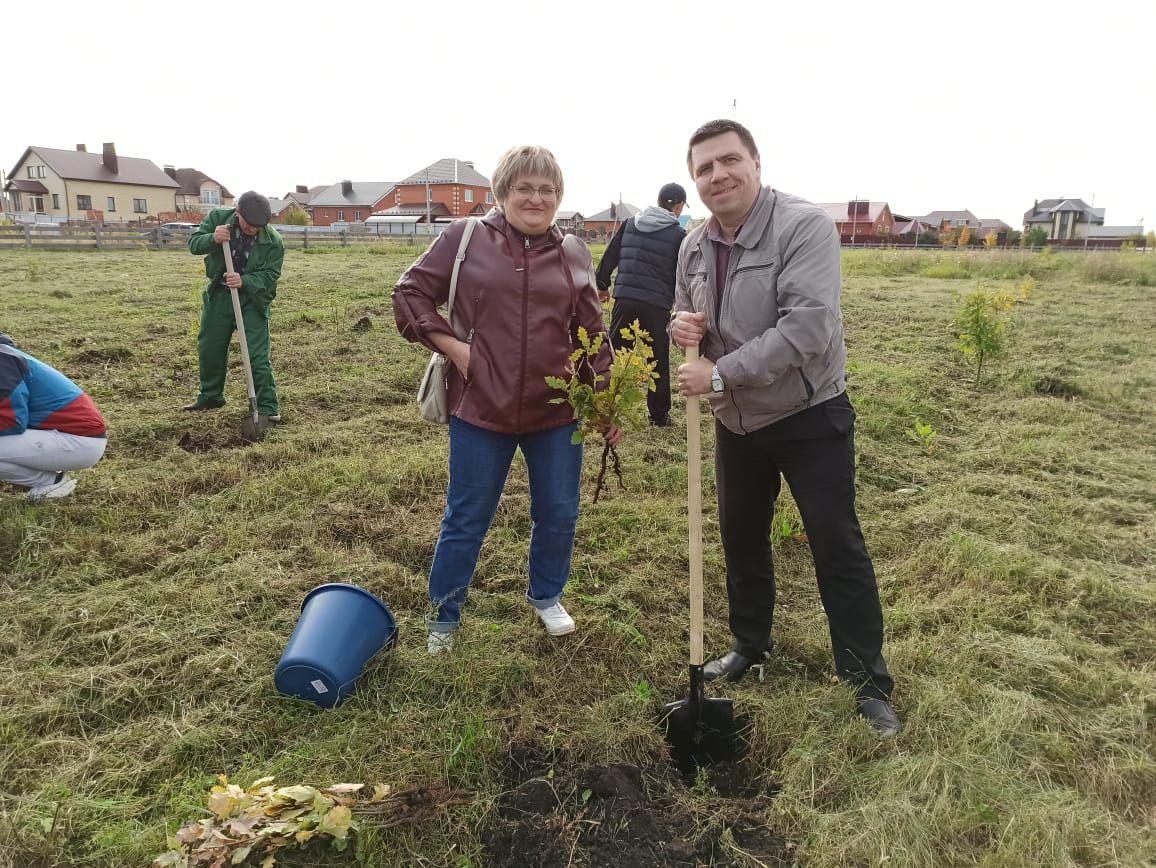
x=717 y=128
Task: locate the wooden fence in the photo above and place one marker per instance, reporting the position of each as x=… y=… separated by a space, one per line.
x=89 y=236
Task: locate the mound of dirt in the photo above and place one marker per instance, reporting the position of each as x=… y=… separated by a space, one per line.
x=625 y=815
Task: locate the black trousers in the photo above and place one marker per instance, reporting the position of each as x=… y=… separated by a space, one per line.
x=814 y=451
x=654 y=319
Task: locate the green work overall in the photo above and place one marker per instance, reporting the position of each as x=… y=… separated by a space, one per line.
x=258 y=289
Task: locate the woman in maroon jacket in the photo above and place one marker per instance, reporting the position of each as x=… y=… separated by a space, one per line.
x=521 y=296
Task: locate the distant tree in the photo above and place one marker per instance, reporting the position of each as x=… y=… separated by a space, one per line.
x=949 y=237
x=1037 y=236
x=1150 y=238
x=991 y=240
x=1013 y=237
x=964 y=236
x=928 y=238
x=295 y=215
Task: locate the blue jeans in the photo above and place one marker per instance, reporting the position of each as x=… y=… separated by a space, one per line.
x=479 y=463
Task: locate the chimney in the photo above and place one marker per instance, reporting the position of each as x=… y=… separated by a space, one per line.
x=110 y=162
x=346 y=188
x=82 y=148
x=301 y=188
x=171 y=171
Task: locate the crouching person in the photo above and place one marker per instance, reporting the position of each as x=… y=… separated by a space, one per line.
x=48 y=425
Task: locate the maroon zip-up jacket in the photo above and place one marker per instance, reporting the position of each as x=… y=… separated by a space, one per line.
x=519 y=303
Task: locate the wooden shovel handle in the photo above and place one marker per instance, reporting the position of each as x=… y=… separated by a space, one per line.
x=694 y=515
x=246 y=362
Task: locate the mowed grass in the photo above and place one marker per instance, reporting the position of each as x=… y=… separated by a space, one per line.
x=143 y=617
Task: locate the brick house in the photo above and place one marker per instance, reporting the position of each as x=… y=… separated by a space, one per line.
x=605 y=223
x=57 y=185
x=303 y=196
x=454 y=184
x=350 y=201
x=860 y=218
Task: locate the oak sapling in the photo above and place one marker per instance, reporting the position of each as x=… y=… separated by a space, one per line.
x=621 y=403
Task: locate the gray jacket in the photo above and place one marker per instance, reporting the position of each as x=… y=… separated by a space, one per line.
x=778 y=338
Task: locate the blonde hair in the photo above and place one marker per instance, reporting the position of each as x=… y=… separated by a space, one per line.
x=521 y=161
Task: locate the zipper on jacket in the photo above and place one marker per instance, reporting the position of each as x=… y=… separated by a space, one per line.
x=525 y=327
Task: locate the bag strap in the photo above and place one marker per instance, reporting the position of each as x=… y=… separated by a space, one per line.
x=471 y=222
x=575 y=248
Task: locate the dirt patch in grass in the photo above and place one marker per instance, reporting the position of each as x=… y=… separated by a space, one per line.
x=623 y=814
x=1057 y=387
x=103 y=355
x=211 y=442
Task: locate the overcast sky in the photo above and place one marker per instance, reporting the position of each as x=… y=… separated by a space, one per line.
x=984 y=106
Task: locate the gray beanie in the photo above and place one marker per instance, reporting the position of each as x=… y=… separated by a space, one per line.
x=254 y=208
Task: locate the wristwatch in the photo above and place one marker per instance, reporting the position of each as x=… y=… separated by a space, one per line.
x=716 y=382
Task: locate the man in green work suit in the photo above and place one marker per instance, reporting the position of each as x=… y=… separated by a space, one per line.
x=258 y=253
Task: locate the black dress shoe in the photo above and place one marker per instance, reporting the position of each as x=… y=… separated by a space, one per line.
x=731 y=666
x=662 y=421
x=881 y=716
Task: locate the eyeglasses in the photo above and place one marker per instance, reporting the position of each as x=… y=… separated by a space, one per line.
x=525 y=191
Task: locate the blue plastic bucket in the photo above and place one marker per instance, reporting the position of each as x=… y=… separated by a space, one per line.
x=340 y=629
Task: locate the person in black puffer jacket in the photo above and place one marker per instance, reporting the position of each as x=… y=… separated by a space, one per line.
x=644 y=251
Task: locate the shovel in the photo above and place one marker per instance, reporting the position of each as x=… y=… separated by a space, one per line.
x=699 y=730
x=252 y=429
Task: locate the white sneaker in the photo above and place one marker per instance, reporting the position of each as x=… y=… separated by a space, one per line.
x=439 y=643
x=557 y=620
x=62 y=486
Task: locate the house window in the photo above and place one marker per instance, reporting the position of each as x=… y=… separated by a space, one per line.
x=55 y=201
x=31 y=171
x=40 y=172
x=469 y=195
x=111 y=203
x=211 y=196
x=341 y=216
x=356 y=215
x=140 y=206
x=489 y=198
x=83 y=203
x=17 y=204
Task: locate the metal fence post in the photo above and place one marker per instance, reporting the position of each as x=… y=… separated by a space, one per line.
x=99 y=240
x=27 y=236
x=305 y=237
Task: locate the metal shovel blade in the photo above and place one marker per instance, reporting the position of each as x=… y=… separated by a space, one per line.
x=254 y=427
x=699 y=730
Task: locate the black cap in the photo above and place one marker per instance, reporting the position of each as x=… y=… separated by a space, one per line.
x=671 y=194
x=254 y=208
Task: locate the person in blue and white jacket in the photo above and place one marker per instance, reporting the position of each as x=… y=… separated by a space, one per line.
x=48 y=425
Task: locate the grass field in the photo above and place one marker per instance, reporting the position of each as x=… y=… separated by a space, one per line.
x=142 y=617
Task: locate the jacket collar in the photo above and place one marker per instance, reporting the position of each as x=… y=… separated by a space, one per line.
x=496 y=218
x=756 y=224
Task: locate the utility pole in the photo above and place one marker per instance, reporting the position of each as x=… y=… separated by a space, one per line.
x=427 y=198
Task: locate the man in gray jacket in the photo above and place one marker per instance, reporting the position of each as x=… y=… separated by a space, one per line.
x=644 y=251
x=758 y=290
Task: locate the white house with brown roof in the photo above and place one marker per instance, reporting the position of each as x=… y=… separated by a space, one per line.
x=55 y=185
x=198 y=192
